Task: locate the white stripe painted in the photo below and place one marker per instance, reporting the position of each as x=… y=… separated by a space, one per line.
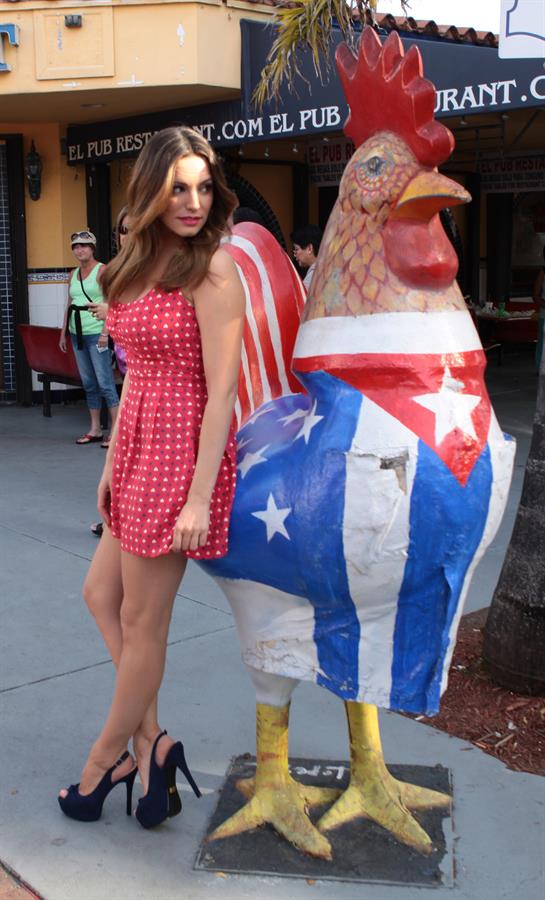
x=255 y=334
x=400 y=332
x=246 y=372
x=376 y=538
x=275 y=629
x=502 y=457
x=270 y=308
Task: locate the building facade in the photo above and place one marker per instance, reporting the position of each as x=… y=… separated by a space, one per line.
x=86 y=84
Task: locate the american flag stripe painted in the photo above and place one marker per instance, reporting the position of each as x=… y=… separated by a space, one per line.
x=256 y=319
x=275 y=298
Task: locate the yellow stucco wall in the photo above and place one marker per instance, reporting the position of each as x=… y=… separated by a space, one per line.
x=150 y=43
x=61 y=207
x=274 y=183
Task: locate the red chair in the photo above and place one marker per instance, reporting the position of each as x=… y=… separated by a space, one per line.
x=45 y=357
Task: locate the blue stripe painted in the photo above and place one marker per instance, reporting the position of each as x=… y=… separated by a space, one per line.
x=447 y=522
x=337 y=628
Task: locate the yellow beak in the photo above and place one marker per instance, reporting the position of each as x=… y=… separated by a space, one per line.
x=428 y=193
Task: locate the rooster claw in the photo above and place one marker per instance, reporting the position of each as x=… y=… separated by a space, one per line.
x=312 y=796
x=386 y=802
x=285 y=811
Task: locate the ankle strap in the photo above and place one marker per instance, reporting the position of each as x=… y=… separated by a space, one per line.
x=121 y=759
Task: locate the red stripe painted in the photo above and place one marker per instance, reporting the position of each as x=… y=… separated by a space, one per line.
x=243 y=398
x=287 y=290
x=255 y=388
x=393 y=381
x=253 y=280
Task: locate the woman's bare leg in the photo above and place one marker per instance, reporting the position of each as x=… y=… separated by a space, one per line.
x=149 y=589
x=96 y=427
x=103 y=594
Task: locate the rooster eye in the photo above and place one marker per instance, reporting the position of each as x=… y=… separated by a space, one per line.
x=375 y=165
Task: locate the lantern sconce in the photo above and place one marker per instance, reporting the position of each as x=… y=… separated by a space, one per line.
x=33 y=172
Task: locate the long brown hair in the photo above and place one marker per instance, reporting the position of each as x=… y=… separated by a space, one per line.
x=148 y=194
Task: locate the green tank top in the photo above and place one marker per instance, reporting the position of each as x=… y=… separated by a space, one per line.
x=89 y=325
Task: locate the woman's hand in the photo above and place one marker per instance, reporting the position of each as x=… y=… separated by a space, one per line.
x=62 y=341
x=191 y=528
x=98 y=310
x=104 y=493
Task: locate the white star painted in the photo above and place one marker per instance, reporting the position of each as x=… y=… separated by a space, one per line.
x=311 y=420
x=451 y=408
x=274 y=519
x=296 y=414
x=257 y=415
x=243 y=443
x=250 y=460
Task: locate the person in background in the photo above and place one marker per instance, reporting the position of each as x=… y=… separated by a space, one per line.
x=89 y=337
x=306 y=243
x=539 y=298
x=100 y=312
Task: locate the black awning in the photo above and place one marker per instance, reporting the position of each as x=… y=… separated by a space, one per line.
x=468 y=79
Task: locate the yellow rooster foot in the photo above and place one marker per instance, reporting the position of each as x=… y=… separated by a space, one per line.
x=274 y=797
x=375 y=794
x=386 y=800
x=311 y=796
x=284 y=808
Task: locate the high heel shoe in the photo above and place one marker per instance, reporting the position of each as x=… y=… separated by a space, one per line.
x=162 y=800
x=88 y=807
x=175 y=759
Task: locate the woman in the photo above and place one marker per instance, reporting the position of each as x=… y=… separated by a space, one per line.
x=100 y=311
x=89 y=337
x=177 y=308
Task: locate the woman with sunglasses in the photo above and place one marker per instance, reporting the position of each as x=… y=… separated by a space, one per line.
x=177 y=307
x=89 y=337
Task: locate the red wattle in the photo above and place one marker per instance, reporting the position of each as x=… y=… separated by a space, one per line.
x=419 y=253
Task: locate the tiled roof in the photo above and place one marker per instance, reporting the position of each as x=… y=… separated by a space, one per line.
x=429 y=27
x=407 y=26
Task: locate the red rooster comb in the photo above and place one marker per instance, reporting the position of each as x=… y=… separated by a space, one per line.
x=386 y=91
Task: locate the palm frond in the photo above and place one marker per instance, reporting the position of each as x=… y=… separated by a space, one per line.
x=308 y=23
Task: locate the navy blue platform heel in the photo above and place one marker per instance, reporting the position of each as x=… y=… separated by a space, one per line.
x=162 y=800
x=88 y=807
x=176 y=760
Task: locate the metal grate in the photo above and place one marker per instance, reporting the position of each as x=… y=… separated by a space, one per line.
x=6 y=293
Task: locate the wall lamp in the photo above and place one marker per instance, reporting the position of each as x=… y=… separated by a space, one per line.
x=33 y=172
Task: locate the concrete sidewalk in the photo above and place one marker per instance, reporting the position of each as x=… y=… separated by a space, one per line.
x=56 y=681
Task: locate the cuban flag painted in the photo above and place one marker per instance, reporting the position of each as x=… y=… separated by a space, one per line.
x=364 y=505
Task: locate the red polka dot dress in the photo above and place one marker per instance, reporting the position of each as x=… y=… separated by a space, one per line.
x=159 y=427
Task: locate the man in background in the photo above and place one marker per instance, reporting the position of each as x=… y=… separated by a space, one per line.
x=306 y=243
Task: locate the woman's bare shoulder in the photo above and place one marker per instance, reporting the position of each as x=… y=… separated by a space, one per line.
x=222 y=264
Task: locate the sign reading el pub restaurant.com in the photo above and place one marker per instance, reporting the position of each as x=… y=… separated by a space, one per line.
x=327 y=160
x=513 y=174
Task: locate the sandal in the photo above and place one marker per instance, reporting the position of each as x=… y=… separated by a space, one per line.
x=105 y=442
x=90 y=439
x=97 y=529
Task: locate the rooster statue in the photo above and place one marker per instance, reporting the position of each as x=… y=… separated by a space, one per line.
x=366 y=498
